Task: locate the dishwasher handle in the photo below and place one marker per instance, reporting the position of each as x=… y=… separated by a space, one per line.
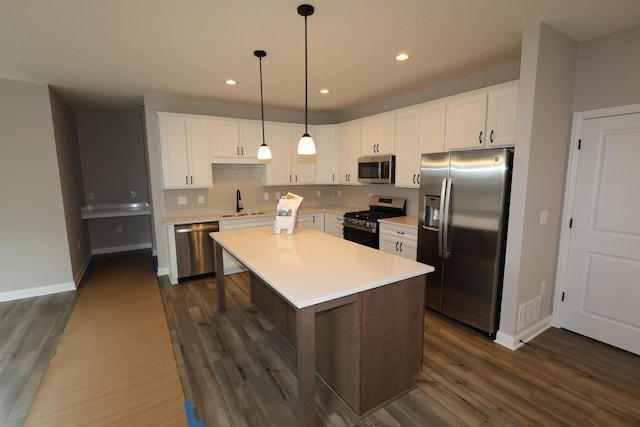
x=200 y=227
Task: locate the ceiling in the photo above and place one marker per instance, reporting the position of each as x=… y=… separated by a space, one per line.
x=108 y=54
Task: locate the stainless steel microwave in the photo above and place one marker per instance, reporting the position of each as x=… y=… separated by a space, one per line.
x=377 y=169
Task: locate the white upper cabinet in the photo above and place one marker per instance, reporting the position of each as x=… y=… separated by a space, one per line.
x=482 y=119
x=235 y=141
x=348 y=152
x=287 y=167
x=186 y=161
x=502 y=112
x=418 y=130
x=326 y=140
x=377 y=135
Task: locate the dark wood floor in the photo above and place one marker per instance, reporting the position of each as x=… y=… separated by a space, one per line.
x=30 y=329
x=239 y=371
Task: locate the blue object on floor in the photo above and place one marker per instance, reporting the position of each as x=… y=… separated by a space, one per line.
x=191 y=416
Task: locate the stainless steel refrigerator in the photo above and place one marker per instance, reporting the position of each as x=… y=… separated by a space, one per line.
x=464 y=203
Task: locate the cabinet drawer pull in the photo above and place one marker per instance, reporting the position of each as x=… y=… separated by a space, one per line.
x=399 y=232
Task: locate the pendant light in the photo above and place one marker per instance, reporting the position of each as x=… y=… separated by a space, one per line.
x=264 y=153
x=306 y=144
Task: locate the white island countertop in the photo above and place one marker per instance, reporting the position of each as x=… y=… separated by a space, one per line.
x=310 y=267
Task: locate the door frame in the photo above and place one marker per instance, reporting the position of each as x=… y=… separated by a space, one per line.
x=569 y=196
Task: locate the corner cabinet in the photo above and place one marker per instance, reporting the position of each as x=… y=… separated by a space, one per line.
x=326 y=139
x=348 y=152
x=397 y=239
x=482 y=119
x=377 y=135
x=418 y=130
x=235 y=141
x=186 y=161
x=287 y=167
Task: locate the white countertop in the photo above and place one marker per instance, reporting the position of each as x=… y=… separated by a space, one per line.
x=409 y=221
x=221 y=216
x=310 y=267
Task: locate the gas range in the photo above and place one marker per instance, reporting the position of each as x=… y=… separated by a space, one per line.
x=362 y=226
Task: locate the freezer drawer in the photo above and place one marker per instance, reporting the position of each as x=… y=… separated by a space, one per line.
x=194 y=249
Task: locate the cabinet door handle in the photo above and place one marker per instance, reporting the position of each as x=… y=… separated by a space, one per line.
x=418 y=178
x=491 y=136
x=480 y=137
x=396 y=246
x=313 y=219
x=186 y=180
x=400 y=246
x=237 y=151
x=242 y=151
x=191 y=179
x=289 y=177
x=333 y=177
x=296 y=177
x=414 y=178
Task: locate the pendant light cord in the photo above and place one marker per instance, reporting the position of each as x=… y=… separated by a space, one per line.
x=306 y=78
x=261 y=100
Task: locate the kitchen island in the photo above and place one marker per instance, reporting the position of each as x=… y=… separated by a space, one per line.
x=355 y=313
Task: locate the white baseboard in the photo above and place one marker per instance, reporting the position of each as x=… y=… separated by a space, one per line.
x=125 y=248
x=517 y=341
x=163 y=271
x=36 y=292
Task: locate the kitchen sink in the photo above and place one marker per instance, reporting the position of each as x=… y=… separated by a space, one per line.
x=234 y=215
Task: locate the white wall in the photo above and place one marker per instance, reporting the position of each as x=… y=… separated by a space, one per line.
x=34 y=253
x=542 y=140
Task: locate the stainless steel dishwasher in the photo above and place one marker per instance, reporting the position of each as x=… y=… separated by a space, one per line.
x=194 y=248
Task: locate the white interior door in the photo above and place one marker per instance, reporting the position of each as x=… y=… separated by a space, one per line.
x=602 y=289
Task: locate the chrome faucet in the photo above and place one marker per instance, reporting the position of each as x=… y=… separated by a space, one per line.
x=238 y=201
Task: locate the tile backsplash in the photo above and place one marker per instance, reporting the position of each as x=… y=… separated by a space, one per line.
x=227 y=178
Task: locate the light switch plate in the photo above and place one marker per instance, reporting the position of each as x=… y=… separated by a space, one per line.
x=544 y=216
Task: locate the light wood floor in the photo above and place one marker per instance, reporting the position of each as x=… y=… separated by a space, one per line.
x=239 y=371
x=114 y=364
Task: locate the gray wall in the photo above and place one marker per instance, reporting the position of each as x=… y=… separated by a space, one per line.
x=34 y=249
x=607 y=71
x=543 y=133
x=65 y=131
x=112 y=153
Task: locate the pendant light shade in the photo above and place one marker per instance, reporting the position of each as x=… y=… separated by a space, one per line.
x=306 y=144
x=264 y=153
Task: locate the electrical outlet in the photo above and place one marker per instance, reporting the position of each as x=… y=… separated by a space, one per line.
x=91 y=196
x=544 y=216
x=339 y=193
x=318 y=193
x=277 y=196
x=266 y=196
x=182 y=200
x=133 y=194
x=119 y=229
x=201 y=199
x=543 y=286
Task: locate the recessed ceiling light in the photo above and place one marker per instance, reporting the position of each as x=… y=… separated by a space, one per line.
x=324 y=91
x=402 y=57
x=231 y=82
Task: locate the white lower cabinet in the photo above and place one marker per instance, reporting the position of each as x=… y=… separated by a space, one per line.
x=399 y=240
x=313 y=220
x=231 y=265
x=333 y=224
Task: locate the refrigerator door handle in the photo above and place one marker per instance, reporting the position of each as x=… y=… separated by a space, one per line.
x=446 y=253
x=443 y=189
